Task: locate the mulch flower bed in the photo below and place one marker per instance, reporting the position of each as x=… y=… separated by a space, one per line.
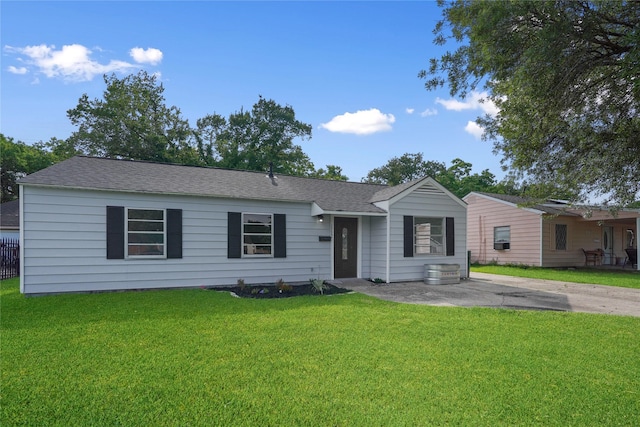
x=272 y=291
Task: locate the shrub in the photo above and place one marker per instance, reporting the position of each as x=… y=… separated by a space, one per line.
x=318 y=285
x=282 y=286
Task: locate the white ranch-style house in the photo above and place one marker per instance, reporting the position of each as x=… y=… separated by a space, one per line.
x=94 y=224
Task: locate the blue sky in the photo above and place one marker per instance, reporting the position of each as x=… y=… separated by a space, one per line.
x=347 y=68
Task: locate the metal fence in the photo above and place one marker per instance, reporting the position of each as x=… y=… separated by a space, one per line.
x=9 y=258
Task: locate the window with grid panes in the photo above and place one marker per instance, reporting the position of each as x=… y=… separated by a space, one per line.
x=561 y=237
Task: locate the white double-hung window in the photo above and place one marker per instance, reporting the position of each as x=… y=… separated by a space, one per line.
x=429 y=236
x=146 y=233
x=257 y=234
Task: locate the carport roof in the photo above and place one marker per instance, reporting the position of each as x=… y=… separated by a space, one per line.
x=552 y=207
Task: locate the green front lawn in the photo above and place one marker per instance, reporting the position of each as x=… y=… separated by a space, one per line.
x=199 y=357
x=624 y=278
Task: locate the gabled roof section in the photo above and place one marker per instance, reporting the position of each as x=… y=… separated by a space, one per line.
x=388 y=193
x=10 y=215
x=92 y=173
x=426 y=186
x=553 y=207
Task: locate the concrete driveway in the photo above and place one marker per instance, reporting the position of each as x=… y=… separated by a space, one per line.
x=490 y=290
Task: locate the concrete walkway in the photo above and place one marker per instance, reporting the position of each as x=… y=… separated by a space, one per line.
x=491 y=290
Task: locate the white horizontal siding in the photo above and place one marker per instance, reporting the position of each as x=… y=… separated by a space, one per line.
x=14 y=235
x=65 y=243
x=425 y=204
x=365 y=246
x=378 y=248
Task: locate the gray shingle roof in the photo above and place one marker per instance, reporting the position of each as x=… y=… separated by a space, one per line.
x=10 y=214
x=145 y=177
x=558 y=209
x=389 y=192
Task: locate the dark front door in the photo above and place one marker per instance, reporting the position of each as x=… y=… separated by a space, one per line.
x=345 y=249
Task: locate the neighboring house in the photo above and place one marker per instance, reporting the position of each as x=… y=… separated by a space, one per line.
x=506 y=230
x=101 y=224
x=10 y=220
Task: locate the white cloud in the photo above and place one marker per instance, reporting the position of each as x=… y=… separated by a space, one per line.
x=71 y=63
x=452 y=104
x=429 y=112
x=410 y=110
x=474 y=129
x=476 y=101
x=364 y=122
x=15 y=70
x=146 y=56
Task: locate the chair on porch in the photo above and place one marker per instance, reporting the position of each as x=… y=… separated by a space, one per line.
x=594 y=257
x=632 y=257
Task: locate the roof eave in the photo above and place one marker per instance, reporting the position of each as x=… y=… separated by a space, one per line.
x=504 y=202
x=167 y=193
x=318 y=210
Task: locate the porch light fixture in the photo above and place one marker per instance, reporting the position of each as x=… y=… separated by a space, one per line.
x=320 y=218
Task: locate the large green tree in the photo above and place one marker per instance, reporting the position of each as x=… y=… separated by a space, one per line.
x=405 y=168
x=458 y=178
x=251 y=140
x=564 y=75
x=17 y=160
x=333 y=173
x=132 y=121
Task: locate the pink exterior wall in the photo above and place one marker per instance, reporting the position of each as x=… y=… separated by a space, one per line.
x=533 y=239
x=581 y=234
x=483 y=215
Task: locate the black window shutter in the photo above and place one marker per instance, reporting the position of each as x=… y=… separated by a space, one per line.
x=451 y=237
x=115 y=232
x=174 y=233
x=279 y=236
x=408 y=236
x=234 y=235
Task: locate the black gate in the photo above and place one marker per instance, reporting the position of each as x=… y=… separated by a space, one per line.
x=9 y=258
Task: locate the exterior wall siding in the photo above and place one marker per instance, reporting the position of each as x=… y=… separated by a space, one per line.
x=435 y=205
x=9 y=234
x=484 y=215
x=573 y=255
x=533 y=239
x=65 y=243
x=365 y=247
x=378 y=252
x=581 y=234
